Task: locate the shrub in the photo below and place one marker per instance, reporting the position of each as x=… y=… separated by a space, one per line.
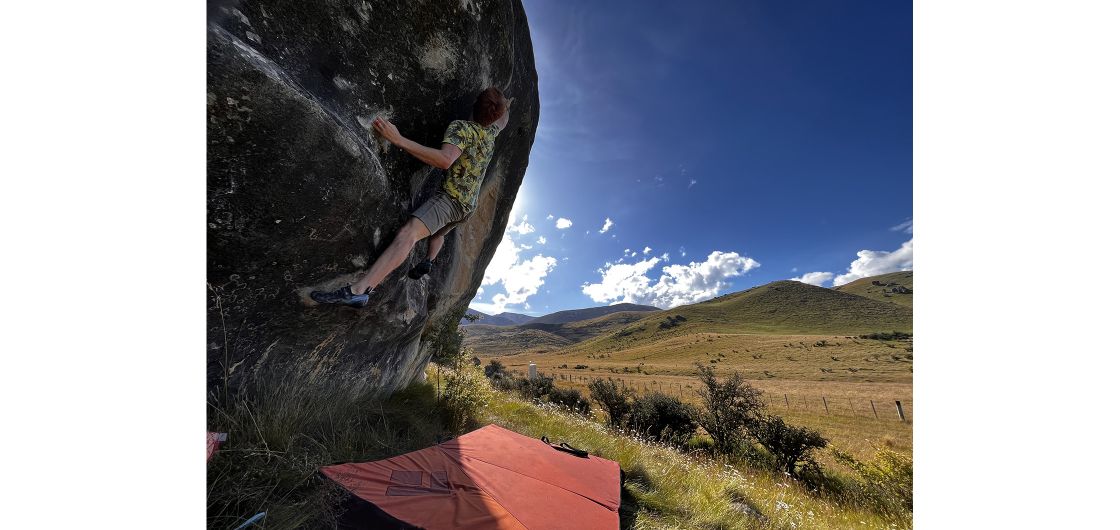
x=613 y=399
x=467 y=391
x=662 y=417
x=571 y=399
x=727 y=408
x=536 y=388
x=496 y=370
x=790 y=445
x=888 y=335
x=886 y=483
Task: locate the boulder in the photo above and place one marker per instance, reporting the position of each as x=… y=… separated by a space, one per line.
x=301 y=195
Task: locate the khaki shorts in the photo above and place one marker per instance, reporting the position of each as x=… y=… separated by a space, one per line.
x=440 y=211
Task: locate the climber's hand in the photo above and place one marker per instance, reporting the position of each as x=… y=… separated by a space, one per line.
x=387 y=130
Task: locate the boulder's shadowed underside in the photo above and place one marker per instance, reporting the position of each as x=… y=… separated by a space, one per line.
x=300 y=195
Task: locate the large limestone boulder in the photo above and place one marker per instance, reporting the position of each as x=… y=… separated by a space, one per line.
x=301 y=195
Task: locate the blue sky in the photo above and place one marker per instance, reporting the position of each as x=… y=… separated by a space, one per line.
x=740 y=142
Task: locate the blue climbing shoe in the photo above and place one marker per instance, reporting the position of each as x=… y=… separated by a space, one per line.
x=342 y=296
x=421 y=269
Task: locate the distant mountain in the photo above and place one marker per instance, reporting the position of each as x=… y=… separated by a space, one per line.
x=541 y=337
x=500 y=319
x=575 y=315
x=895 y=287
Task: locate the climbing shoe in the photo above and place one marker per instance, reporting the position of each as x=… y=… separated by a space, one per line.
x=343 y=296
x=422 y=268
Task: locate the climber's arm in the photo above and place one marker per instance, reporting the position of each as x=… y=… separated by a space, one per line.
x=441 y=158
x=505 y=116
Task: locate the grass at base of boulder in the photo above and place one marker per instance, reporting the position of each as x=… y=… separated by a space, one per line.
x=278 y=441
x=667 y=489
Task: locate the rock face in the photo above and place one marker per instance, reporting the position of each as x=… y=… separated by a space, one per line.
x=301 y=195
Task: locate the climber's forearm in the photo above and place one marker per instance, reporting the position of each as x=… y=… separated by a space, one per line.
x=440 y=158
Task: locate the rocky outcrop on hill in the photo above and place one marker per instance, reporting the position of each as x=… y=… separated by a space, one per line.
x=301 y=195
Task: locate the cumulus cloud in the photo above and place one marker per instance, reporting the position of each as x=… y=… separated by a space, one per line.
x=646 y=250
x=691 y=183
x=550 y=217
x=814 y=278
x=523 y=228
x=519 y=277
x=676 y=284
x=606 y=226
x=541 y=240
x=875 y=262
x=563 y=223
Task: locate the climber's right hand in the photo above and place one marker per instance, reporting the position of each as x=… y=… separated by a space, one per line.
x=387 y=130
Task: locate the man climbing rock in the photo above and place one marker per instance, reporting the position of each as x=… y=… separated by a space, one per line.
x=465 y=153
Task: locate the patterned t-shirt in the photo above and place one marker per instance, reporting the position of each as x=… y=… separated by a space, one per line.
x=464 y=177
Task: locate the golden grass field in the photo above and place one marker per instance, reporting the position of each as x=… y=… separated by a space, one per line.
x=805 y=371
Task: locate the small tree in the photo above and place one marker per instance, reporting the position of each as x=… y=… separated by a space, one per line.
x=571 y=399
x=662 y=417
x=727 y=408
x=496 y=370
x=613 y=399
x=790 y=445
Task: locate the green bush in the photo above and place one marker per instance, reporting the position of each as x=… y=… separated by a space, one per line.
x=727 y=408
x=571 y=399
x=466 y=392
x=613 y=398
x=536 y=388
x=664 y=418
x=496 y=370
x=790 y=445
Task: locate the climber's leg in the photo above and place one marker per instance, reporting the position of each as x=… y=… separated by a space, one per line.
x=435 y=243
x=412 y=231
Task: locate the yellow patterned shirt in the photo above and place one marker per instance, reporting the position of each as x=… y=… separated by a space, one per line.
x=464 y=177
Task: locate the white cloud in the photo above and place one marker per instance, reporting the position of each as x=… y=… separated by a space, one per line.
x=606 y=226
x=541 y=240
x=691 y=183
x=665 y=256
x=683 y=253
x=793 y=269
x=519 y=278
x=905 y=226
x=563 y=224
x=677 y=284
x=523 y=228
x=814 y=278
x=646 y=250
x=875 y=262
x=550 y=217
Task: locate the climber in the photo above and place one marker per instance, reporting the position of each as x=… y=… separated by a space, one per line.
x=465 y=153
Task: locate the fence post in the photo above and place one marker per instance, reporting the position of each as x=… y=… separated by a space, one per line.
x=825 y=401
x=787 y=400
x=873 y=411
x=898 y=405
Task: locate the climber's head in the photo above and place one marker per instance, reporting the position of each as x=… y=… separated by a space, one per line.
x=489 y=106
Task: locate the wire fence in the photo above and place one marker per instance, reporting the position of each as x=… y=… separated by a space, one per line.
x=876 y=408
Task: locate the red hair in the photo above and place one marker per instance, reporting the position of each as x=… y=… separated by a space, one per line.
x=489 y=106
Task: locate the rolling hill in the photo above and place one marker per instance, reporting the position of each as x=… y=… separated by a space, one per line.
x=895 y=287
x=778 y=308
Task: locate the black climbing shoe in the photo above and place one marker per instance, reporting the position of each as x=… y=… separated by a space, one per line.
x=342 y=296
x=421 y=269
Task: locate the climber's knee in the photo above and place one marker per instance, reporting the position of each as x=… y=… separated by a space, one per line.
x=414 y=230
